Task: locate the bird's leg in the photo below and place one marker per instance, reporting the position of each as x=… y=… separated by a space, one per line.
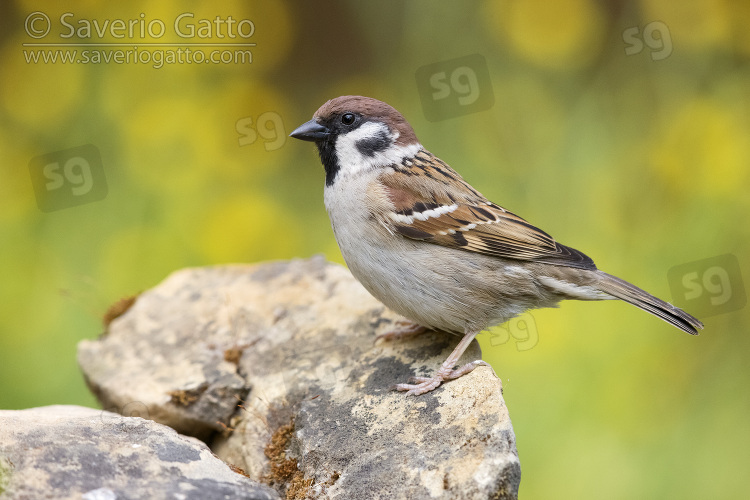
x=446 y=371
x=401 y=330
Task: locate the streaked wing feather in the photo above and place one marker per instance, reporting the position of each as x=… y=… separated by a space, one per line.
x=441 y=208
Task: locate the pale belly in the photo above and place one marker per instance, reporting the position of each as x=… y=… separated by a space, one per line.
x=438 y=287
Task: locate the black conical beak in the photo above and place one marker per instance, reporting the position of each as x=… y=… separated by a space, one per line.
x=311 y=131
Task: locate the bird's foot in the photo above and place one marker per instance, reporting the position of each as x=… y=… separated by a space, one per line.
x=402 y=330
x=427 y=384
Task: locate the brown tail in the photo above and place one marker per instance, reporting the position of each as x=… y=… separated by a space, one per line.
x=639 y=298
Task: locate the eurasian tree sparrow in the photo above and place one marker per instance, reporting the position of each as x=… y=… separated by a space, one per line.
x=431 y=247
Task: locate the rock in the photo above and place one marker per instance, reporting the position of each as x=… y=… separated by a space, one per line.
x=294 y=343
x=80 y=453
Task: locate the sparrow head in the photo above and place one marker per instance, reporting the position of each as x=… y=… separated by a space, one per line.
x=355 y=134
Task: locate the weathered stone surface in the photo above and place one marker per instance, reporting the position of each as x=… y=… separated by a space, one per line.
x=79 y=453
x=313 y=383
x=164 y=359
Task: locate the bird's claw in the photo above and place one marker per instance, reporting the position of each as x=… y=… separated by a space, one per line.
x=422 y=385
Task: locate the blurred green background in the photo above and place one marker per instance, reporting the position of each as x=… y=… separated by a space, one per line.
x=622 y=128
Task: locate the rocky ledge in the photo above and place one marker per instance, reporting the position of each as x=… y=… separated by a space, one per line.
x=87 y=454
x=276 y=368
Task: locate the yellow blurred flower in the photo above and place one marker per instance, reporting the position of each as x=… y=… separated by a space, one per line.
x=566 y=34
x=704 y=144
x=248 y=227
x=171 y=144
x=40 y=96
x=693 y=25
x=189 y=141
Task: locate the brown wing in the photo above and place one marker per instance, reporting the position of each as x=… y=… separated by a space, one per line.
x=434 y=204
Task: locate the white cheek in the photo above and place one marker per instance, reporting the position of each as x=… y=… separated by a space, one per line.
x=352 y=161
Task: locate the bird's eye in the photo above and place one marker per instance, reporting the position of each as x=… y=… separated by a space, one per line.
x=347 y=118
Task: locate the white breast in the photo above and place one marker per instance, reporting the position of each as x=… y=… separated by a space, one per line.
x=400 y=272
x=436 y=286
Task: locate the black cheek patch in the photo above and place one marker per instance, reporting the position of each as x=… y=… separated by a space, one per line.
x=372 y=145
